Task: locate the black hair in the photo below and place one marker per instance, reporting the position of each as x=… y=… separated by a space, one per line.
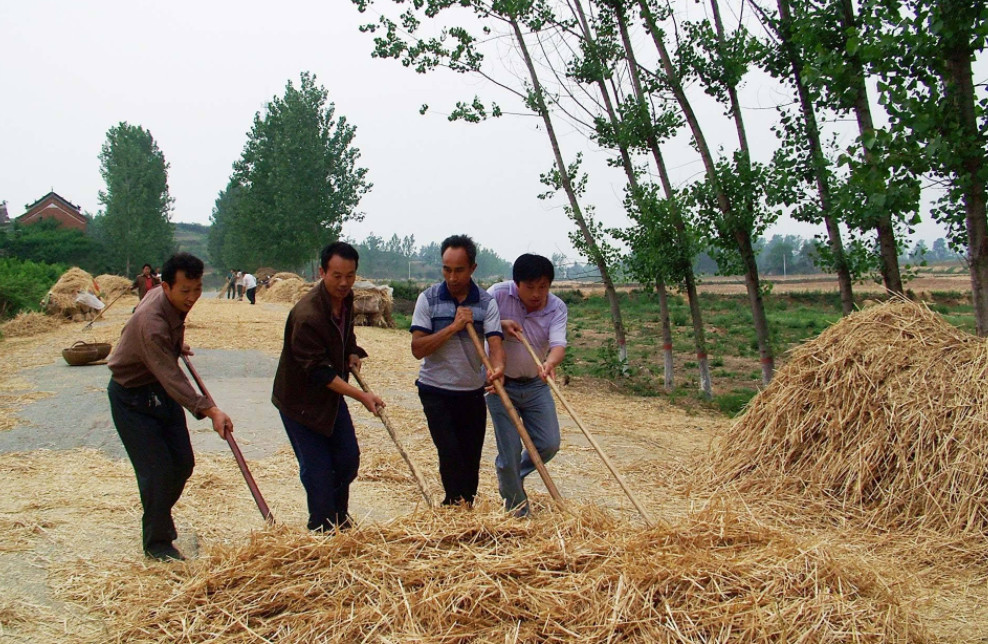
x=187 y=263
x=531 y=267
x=460 y=241
x=342 y=249
x=147 y=266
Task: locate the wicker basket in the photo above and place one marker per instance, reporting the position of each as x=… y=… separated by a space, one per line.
x=82 y=353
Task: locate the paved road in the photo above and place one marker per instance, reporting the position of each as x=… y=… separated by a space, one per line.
x=78 y=413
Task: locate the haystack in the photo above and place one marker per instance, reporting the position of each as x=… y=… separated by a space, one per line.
x=886 y=413
x=61 y=299
x=456 y=576
x=113 y=285
x=372 y=304
x=289 y=289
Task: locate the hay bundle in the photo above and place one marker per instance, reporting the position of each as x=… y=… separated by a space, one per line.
x=113 y=285
x=285 y=290
x=886 y=411
x=372 y=304
x=61 y=299
x=457 y=576
x=29 y=323
x=274 y=279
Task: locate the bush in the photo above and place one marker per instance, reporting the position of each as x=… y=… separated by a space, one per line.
x=405 y=290
x=24 y=283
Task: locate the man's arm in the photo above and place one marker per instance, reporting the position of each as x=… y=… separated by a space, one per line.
x=495 y=351
x=425 y=344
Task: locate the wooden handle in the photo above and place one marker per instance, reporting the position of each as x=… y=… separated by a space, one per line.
x=237 y=455
x=394 y=437
x=593 y=443
x=533 y=453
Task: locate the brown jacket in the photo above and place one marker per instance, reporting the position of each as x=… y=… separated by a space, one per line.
x=148 y=352
x=141 y=284
x=314 y=353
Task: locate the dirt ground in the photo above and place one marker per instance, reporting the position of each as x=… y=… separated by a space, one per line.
x=70 y=509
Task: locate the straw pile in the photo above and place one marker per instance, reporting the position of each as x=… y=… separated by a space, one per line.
x=113 y=285
x=28 y=323
x=885 y=412
x=455 y=576
x=60 y=300
x=372 y=305
x=289 y=289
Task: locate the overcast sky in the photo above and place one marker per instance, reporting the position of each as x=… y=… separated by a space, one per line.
x=195 y=73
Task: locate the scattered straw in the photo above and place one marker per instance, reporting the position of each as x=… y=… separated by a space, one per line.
x=457 y=576
x=113 y=285
x=886 y=412
x=28 y=323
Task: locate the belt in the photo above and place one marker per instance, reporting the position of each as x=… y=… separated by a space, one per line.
x=519 y=381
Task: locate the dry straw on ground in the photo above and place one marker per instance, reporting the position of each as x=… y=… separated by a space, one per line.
x=455 y=576
x=113 y=285
x=60 y=300
x=28 y=323
x=886 y=413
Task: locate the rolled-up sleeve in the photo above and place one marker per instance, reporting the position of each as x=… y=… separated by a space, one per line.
x=557 y=327
x=492 y=323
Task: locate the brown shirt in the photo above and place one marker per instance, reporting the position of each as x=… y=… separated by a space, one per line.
x=315 y=351
x=148 y=352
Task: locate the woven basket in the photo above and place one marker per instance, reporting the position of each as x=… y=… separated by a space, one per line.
x=82 y=353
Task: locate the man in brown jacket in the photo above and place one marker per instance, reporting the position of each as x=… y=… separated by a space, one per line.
x=147 y=392
x=146 y=281
x=319 y=351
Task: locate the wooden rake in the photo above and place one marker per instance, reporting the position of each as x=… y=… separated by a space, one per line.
x=593 y=443
x=526 y=440
x=394 y=437
x=241 y=463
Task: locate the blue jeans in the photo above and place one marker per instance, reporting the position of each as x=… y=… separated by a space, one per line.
x=327 y=466
x=533 y=402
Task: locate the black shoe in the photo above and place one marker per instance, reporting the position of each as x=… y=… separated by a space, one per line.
x=164 y=552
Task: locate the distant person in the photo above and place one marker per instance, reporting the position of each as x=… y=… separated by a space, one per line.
x=527 y=307
x=452 y=376
x=231 y=284
x=145 y=281
x=319 y=352
x=147 y=391
x=240 y=285
x=250 y=287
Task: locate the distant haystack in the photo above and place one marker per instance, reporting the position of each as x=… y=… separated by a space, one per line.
x=885 y=412
x=372 y=304
x=113 y=285
x=61 y=299
x=28 y=323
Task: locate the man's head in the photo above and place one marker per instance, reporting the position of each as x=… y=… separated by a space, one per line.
x=459 y=255
x=533 y=274
x=146 y=270
x=181 y=279
x=338 y=268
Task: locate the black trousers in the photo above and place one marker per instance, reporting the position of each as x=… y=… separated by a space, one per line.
x=153 y=430
x=251 y=292
x=457 y=424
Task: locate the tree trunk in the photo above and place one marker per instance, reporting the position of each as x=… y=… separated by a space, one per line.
x=660 y=288
x=818 y=161
x=577 y=211
x=699 y=339
x=757 y=306
x=866 y=127
x=959 y=87
x=743 y=236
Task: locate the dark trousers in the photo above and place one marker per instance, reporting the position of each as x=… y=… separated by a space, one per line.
x=327 y=467
x=231 y=291
x=457 y=424
x=251 y=292
x=153 y=430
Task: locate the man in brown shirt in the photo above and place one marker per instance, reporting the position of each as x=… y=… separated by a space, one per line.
x=147 y=392
x=146 y=281
x=319 y=351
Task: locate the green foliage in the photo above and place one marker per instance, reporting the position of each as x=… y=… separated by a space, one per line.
x=23 y=284
x=48 y=243
x=733 y=403
x=404 y=290
x=134 y=226
x=295 y=184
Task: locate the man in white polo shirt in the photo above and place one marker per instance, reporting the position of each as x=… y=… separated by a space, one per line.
x=452 y=377
x=526 y=306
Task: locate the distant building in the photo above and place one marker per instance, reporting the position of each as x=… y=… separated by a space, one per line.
x=53 y=206
x=4 y=218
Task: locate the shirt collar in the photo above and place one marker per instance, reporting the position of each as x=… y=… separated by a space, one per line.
x=473 y=295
